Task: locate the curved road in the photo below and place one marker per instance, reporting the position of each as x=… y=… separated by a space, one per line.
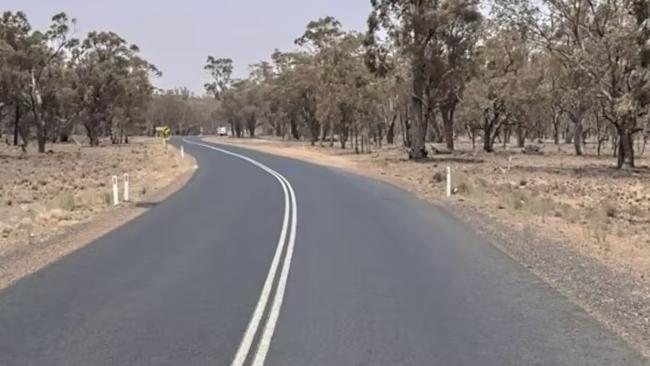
x=245 y=267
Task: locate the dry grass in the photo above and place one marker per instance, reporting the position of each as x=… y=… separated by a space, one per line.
x=43 y=195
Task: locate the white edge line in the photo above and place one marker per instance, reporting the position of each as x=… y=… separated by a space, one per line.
x=251 y=330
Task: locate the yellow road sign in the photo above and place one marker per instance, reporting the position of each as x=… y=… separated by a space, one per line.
x=166 y=132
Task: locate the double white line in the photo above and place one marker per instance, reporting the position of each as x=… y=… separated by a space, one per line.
x=288 y=227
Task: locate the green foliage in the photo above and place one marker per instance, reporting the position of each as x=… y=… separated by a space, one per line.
x=321 y=92
x=60 y=82
x=183 y=112
x=221 y=71
x=436 y=39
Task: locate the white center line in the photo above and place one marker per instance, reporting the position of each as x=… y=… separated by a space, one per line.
x=265 y=340
x=269 y=329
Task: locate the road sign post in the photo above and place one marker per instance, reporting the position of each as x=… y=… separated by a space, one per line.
x=116 y=197
x=126 y=188
x=166 y=134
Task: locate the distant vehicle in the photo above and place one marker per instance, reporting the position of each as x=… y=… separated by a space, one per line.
x=222 y=131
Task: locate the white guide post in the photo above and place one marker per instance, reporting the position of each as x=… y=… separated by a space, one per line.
x=116 y=198
x=182 y=152
x=126 y=188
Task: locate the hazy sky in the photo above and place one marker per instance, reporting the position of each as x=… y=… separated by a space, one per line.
x=178 y=35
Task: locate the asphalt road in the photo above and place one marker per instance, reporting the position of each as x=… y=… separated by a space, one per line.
x=229 y=271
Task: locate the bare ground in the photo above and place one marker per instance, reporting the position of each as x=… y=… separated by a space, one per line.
x=53 y=204
x=580 y=224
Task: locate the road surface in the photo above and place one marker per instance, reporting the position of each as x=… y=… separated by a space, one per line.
x=264 y=260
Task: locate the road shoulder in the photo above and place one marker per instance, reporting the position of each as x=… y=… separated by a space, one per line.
x=37 y=253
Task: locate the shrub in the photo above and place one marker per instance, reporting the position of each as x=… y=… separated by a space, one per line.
x=611 y=211
x=107 y=198
x=516 y=199
x=66 y=201
x=465 y=188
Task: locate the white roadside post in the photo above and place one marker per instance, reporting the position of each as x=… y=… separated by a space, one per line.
x=448 y=182
x=182 y=152
x=126 y=187
x=116 y=198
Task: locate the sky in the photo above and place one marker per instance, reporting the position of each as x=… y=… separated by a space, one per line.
x=177 y=36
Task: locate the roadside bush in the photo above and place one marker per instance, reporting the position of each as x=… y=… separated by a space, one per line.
x=66 y=201
x=107 y=199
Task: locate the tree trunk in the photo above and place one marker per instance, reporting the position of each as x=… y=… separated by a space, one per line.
x=599 y=148
x=488 y=135
x=278 y=126
x=434 y=134
x=625 y=149
x=323 y=133
x=568 y=134
x=390 y=135
x=252 y=125
x=406 y=128
x=471 y=133
x=41 y=134
x=492 y=126
x=314 y=131
x=521 y=135
x=17 y=116
x=556 y=128
x=91 y=132
x=418 y=128
x=577 y=136
x=506 y=136
x=294 y=128
x=448 y=126
x=488 y=142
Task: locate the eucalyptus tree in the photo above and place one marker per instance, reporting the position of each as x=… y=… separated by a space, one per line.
x=297 y=82
x=15 y=33
x=602 y=46
x=181 y=110
x=113 y=80
x=321 y=41
x=44 y=61
x=459 y=24
x=32 y=70
x=231 y=108
x=55 y=82
x=220 y=70
x=493 y=91
x=428 y=34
